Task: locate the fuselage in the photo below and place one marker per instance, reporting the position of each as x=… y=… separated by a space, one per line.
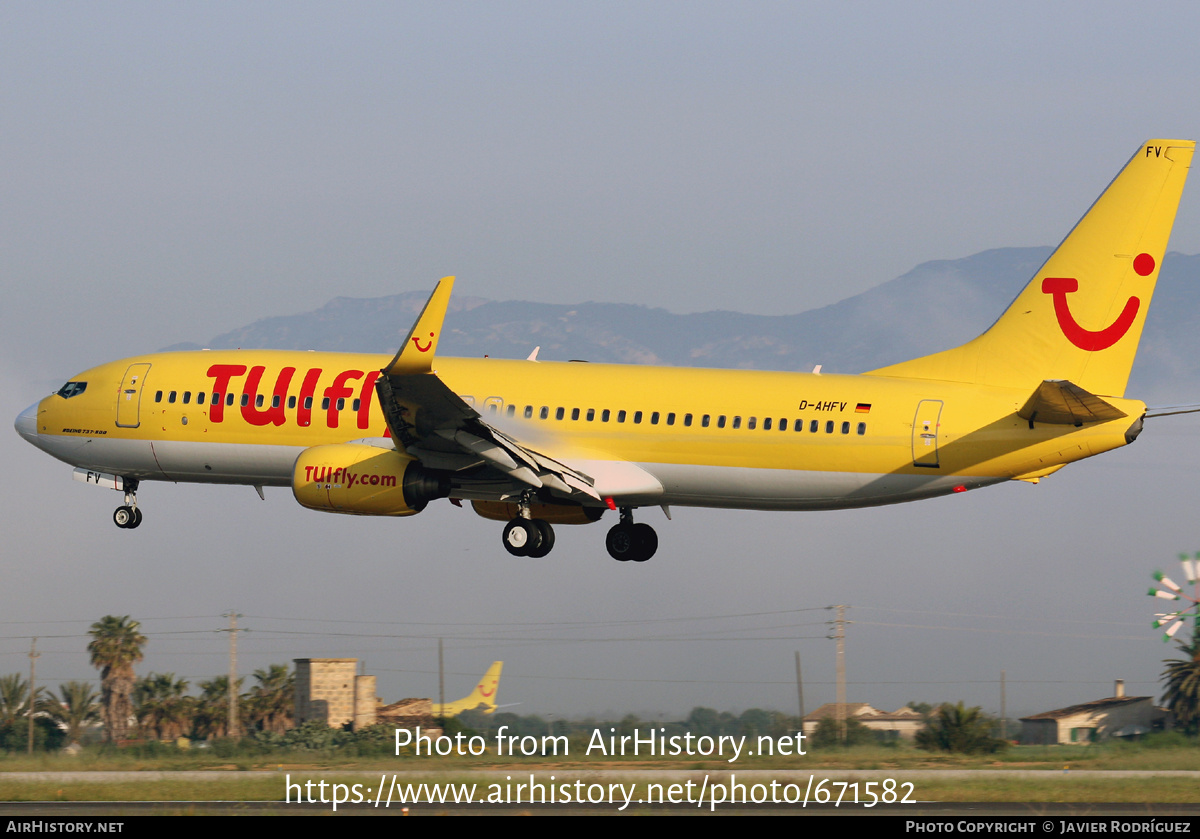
x=718 y=438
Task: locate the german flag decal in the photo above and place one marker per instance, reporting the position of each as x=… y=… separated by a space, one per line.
x=862 y=408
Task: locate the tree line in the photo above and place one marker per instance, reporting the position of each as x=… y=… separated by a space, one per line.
x=158 y=705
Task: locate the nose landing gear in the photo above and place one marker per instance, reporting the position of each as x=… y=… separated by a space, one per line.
x=128 y=516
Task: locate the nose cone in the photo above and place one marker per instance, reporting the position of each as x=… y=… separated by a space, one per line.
x=26 y=423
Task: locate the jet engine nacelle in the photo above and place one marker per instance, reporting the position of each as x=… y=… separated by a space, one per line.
x=364 y=480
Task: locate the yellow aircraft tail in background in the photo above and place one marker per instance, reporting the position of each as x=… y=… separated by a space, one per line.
x=1100 y=280
x=483 y=698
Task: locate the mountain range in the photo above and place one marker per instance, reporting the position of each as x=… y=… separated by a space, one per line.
x=936 y=305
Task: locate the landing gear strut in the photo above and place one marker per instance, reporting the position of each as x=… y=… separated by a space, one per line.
x=627 y=541
x=526 y=536
x=128 y=516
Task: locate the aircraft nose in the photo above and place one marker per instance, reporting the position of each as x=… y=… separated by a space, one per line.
x=26 y=423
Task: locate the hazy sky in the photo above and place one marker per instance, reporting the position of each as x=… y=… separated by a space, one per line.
x=171 y=172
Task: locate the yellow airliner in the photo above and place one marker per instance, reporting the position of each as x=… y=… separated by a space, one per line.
x=535 y=444
x=483 y=698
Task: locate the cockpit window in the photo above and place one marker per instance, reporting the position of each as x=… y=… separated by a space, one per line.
x=72 y=389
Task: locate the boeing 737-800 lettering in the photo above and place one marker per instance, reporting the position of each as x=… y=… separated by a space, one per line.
x=535 y=444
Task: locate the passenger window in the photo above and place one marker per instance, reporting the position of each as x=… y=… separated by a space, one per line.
x=620 y=416
x=354 y=406
x=829 y=427
x=751 y=423
x=862 y=429
x=845 y=428
x=687 y=420
x=654 y=418
x=559 y=413
x=782 y=424
x=545 y=412
x=766 y=423
x=258 y=401
x=158 y=396
x=604 y=415
x=291 y=402
x=187 y=397
x=229 y=400
x=341 y=403
x=704 y=421
x=737 y=422
x=721 y=421
x=574 y=413
x=528 y=412
x=591 y=414
x=637 y=416
x=308 y=403
x=671 y=419
x=512 y=410
x=812 y=427
x=171 y=397
x=325 y=404
x=200 y=398
x=245 y=399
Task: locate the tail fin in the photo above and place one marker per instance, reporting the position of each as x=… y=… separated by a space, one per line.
x=1081 y=316
x=483 y=698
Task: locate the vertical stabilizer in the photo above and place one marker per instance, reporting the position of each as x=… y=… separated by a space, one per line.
x=483 y=698
x=1081 y=317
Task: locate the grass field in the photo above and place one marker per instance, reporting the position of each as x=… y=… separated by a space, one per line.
x=1063 y=774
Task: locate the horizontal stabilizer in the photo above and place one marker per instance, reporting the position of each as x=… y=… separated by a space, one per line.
x=1060 y=402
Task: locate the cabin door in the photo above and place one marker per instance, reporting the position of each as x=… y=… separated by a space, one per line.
x=130 y=396
x=925 y=433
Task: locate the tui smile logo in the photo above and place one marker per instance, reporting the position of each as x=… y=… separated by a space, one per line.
x=1059 y=287
x=417 y=343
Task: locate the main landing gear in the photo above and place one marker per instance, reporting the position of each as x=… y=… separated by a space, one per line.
x=527 y=536
x=626 y=542
x=128 y=516
x=629 y=542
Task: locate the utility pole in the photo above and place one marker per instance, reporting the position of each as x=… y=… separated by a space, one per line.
x=33 y=657
x=799 y=689
x=232 y=727
x=839 y=635
x=441 y=687
x=1003 y=712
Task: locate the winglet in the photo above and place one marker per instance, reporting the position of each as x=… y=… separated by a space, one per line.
x=416 y=353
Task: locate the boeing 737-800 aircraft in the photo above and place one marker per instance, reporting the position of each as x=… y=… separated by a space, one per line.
x=535 y=444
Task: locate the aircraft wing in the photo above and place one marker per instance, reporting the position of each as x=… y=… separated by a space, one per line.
x=431 y=423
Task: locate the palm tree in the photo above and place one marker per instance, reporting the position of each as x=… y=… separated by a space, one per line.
x=161 y=706
x=272 y=700
x=14 y=698
x=212 y=714
x=957 y=728
x=1182 y=691
x=76 y=710
x=116 y=645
